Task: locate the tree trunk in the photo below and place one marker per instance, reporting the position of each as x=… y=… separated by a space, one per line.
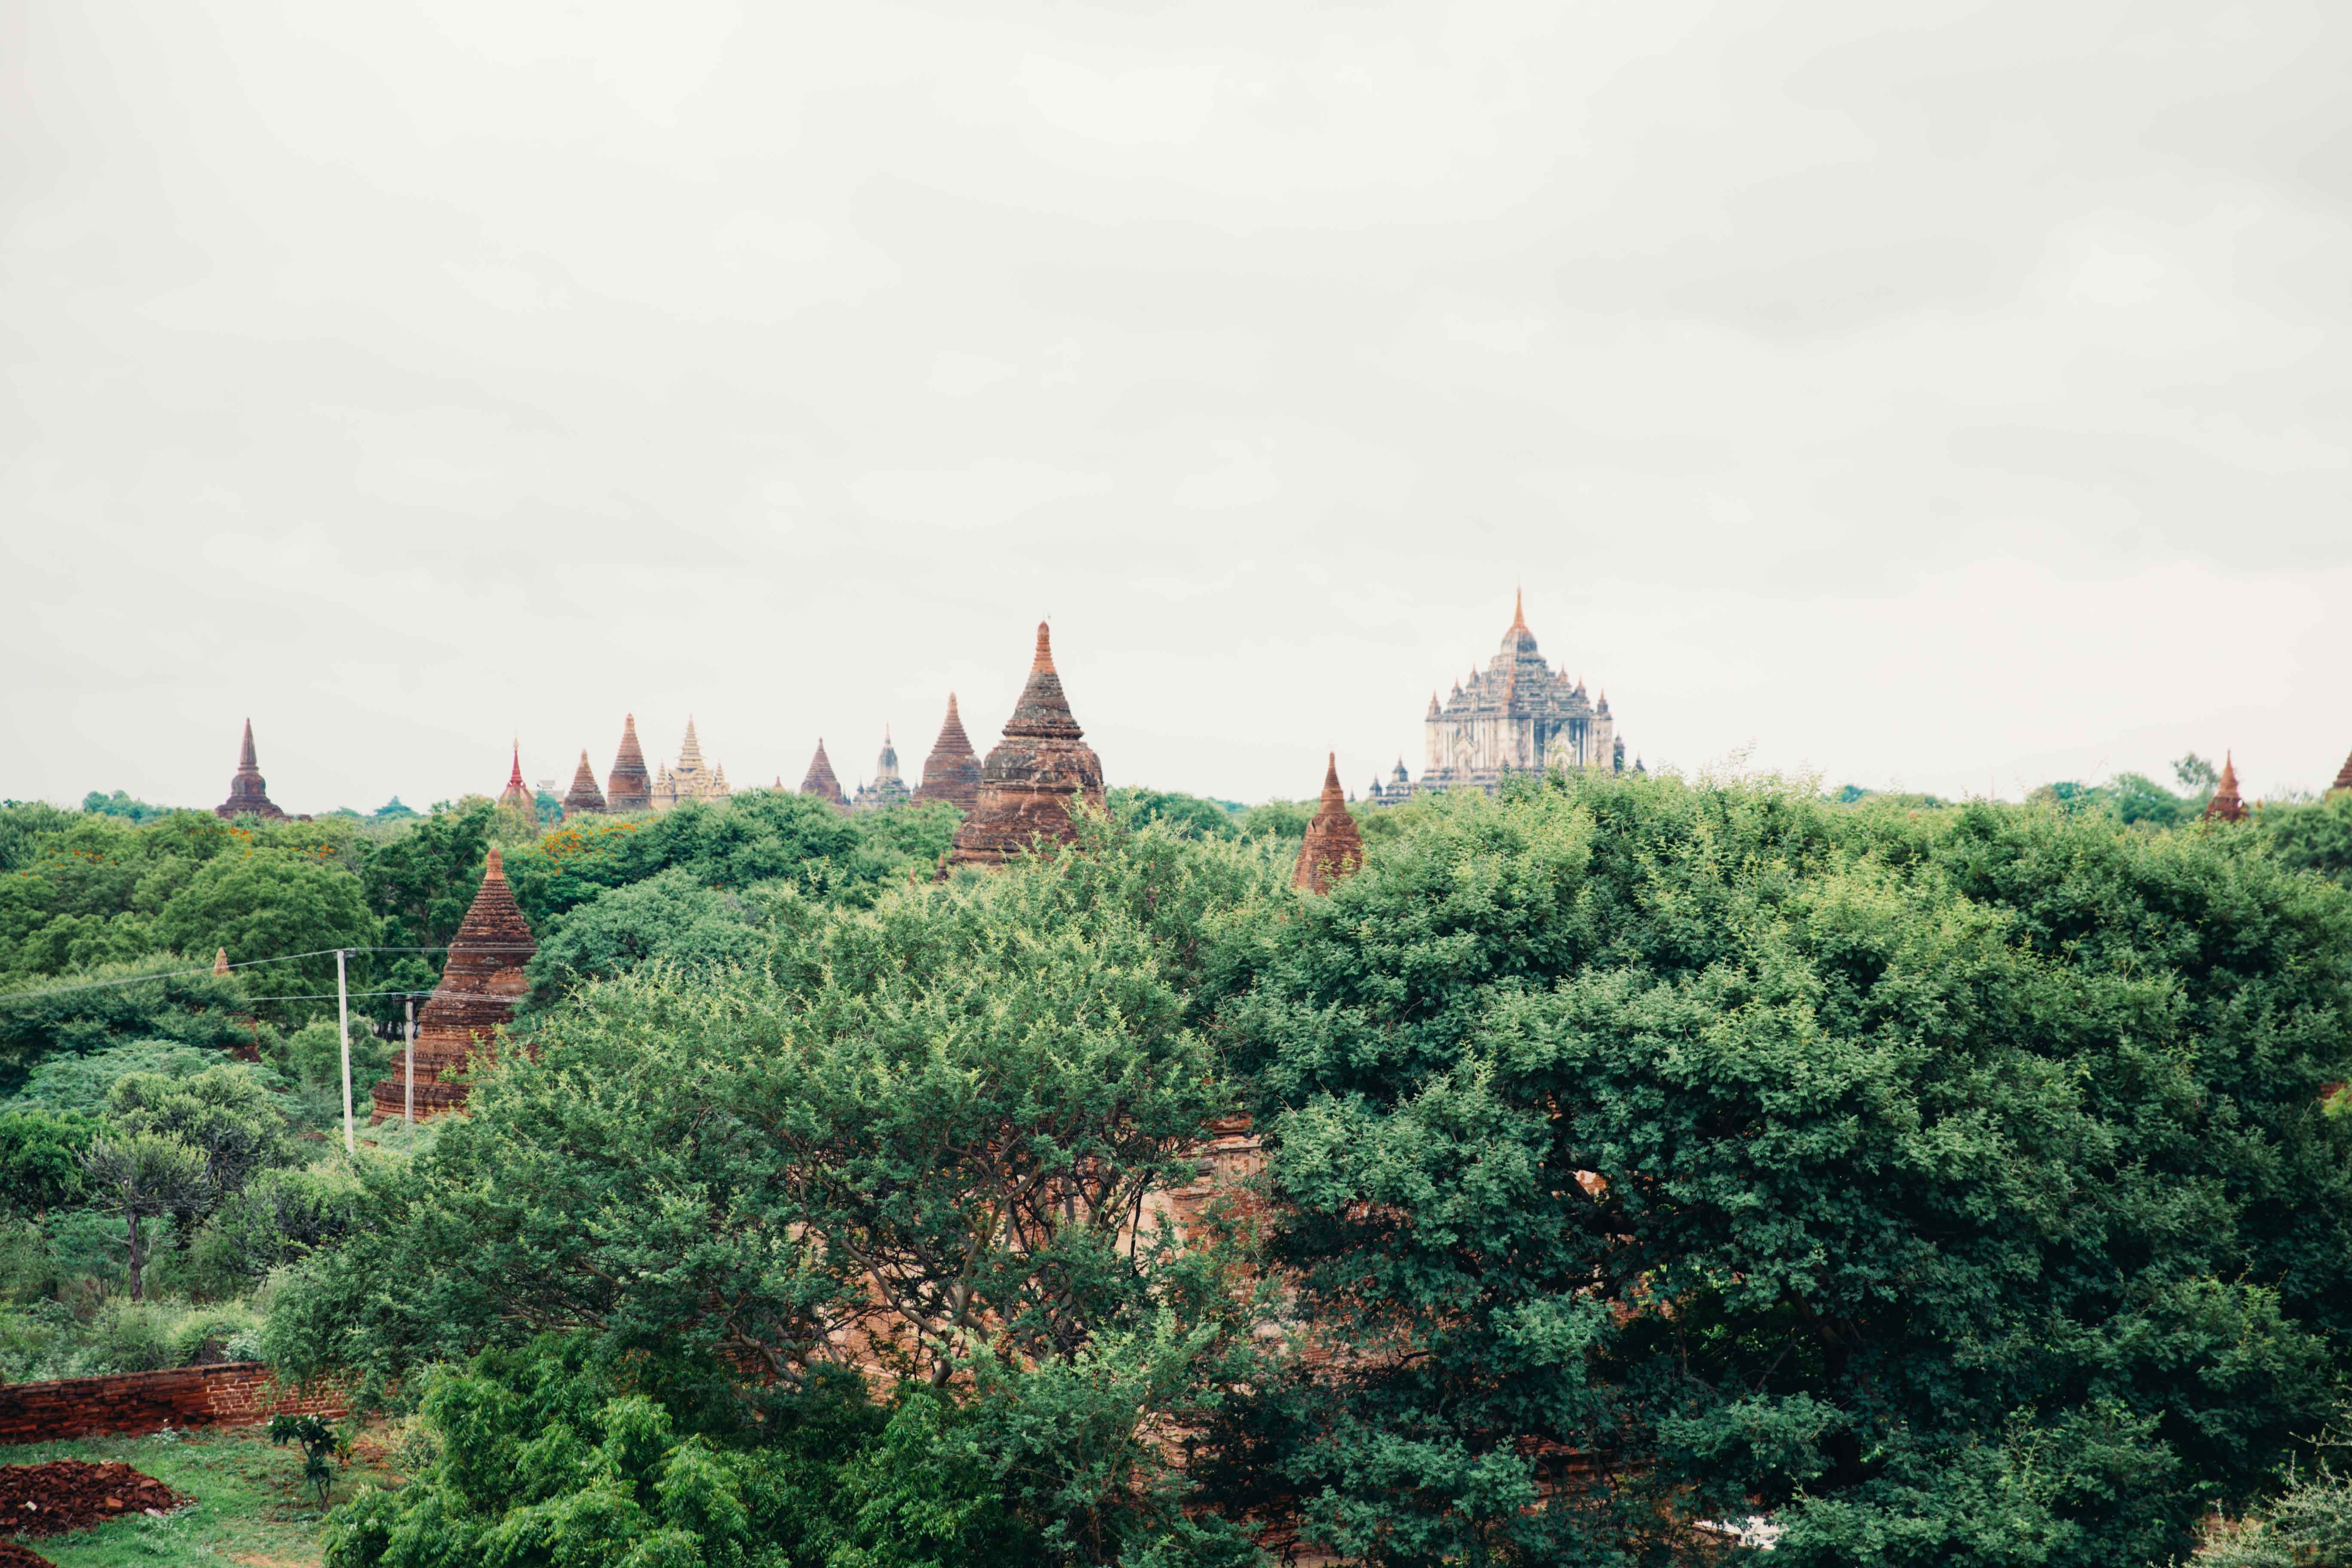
x=134 y=1254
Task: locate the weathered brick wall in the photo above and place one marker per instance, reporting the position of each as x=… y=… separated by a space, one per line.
x=227 y=1393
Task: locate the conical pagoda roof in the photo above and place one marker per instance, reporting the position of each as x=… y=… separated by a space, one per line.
x=516 y=794
x=583 y=796
x=2343 y=777
x=1044 y=711
x=1333 y=848
x=820 y=780
x=629 y=787
x=951 y=773
x=247 y=793
x=2225 y=805
x=480 y=984
x=1032 y=774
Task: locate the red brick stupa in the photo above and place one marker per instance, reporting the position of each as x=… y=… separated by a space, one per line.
x=820 y=781
x=247 y=795
x=479 y=986
x=1031 y=777
x=951 y=773
x=629 y=787
x=1334 y=849
x=584 y=794
x=2225 y=805
x=2343 y=777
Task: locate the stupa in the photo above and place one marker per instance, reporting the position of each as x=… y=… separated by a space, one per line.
x=888 y=788
x=517 y=796
x=820 y=782
x=628 y=787
x=479 y=986
x=689 y=779
x=951 y=773
x=1032 y=774
x=1334 y=849
x=2225 y=805
x=584 y=794
x=248 y=793
x=2343 y=777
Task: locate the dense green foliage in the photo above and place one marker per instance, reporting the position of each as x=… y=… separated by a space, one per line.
x=1954 y=1186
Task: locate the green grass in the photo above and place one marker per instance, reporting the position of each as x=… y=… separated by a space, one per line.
x=251 y=1508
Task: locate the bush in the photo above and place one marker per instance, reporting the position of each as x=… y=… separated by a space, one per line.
x=79 y=1084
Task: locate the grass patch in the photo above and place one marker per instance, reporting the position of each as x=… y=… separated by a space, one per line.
x=251 y=1507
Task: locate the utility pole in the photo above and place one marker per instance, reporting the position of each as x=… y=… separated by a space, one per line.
x=343 y=1018
x=408 y=1089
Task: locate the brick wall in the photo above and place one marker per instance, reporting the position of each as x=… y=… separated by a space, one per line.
x=228 y=1394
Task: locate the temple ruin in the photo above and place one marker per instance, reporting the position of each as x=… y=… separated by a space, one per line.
x=248 y=796
x=820 y=781
x=1334 y=849
x=628 y=787
x=951 y=773
x=584 y=794
x=1032 y=775
x=688 y=778
x=2225 y=805
x=480 y=984
x=887 y=789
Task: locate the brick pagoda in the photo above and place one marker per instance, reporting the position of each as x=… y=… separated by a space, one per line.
x=1030 y=778
x=479 y=986
x=2343 y=777
x=583 y=796
x=1334 y=849
x=820 y=781
x=951 y=773
x=248 y=793
x=2225 y=805
x=629 y=787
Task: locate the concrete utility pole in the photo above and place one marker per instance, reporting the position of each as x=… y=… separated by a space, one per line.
x=408 y=1089
x=343 y=1018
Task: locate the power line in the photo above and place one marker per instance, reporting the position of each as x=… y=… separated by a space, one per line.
x=247 y=963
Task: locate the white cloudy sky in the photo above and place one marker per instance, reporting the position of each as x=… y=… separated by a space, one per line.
x=1946 y=394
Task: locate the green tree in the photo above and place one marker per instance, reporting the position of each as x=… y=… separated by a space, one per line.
x=41 y=1160
x=1953 y=1187
x=669 y=916
x=87 y=1011
x=223 y=1113
x=143 y=1176
x=1188 y=814
x=2315 y=837
x=120 y=805
x=265 y=904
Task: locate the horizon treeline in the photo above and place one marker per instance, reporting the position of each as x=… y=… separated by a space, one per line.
x=1654 y=1169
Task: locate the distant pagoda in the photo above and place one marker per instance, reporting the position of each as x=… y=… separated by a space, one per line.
x=2225 y=805
x=247 y=795
x=820 y=781
x=1334 y=849
x=1032 y=775
x=689 y=779
x=517 y=796
x=2343 y=777
x=583 y=796
x=951 y=773
x=628 y=787
x=479 y=986
x=888 y=788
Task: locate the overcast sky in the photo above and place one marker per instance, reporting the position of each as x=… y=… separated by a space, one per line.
x=1947 y=396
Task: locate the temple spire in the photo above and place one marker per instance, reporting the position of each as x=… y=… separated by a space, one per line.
x=1032 y=775
x=2225 y=805
x=249 y=794
x=584 y=794
x=1518 y=610
x=951 y=773
x=821 y=781
x=2343 y=777
x=1333 y=848
x=628 y=787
